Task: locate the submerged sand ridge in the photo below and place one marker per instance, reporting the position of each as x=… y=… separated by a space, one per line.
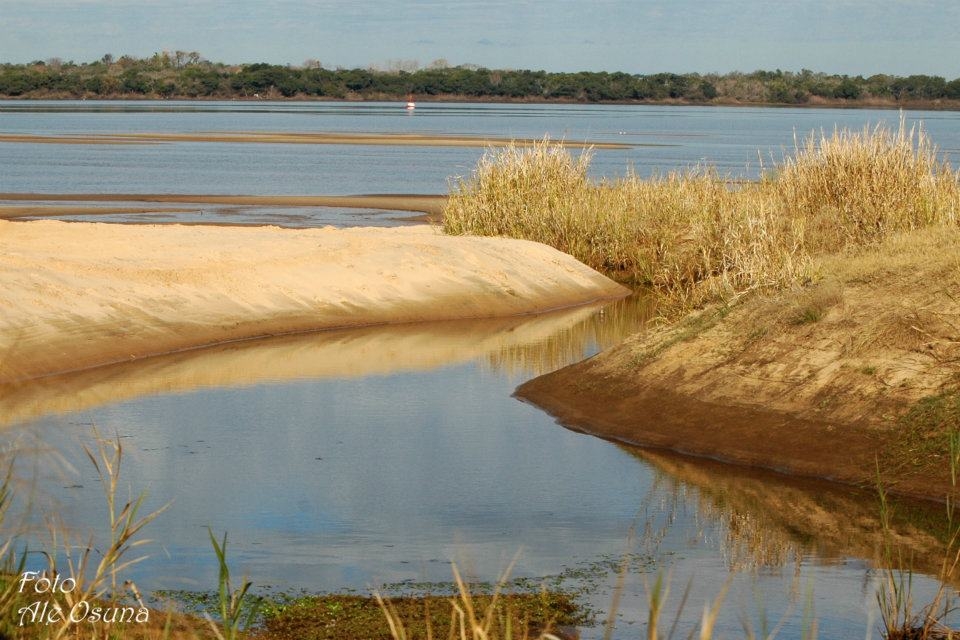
x=292 y=137
x=78 y=295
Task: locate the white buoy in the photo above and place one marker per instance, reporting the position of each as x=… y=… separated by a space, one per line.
x=411 y=106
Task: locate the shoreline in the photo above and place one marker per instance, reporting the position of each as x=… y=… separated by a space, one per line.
x=821 y=103
x=162 y=289
x=429 y=204
x=674 y=424
x=864 y=391
x=657 y=420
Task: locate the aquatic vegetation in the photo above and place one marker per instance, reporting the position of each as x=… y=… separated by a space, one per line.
x=902 y=618
x=237 y=611
x=74 y=595
x=692 y=235
x=356 y=616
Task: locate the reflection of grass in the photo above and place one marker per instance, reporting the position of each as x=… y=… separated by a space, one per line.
x=604 y=329
x=902 y=617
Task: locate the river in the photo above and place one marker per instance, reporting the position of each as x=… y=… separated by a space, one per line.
x=347 y=460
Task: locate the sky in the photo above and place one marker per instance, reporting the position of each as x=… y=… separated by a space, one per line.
x=855 y=37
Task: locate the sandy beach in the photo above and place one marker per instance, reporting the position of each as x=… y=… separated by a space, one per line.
x=79 y=295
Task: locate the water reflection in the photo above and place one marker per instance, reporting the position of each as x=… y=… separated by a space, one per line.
x=345 y=459
x=766 y=520
x=520 y=345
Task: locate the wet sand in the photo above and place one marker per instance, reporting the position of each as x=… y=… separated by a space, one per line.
x=428 y=204
x=267 y=137
x=79 y=295
x=9 y=212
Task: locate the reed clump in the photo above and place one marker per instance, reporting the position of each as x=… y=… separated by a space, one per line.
x=856 y=187
x=693 y=235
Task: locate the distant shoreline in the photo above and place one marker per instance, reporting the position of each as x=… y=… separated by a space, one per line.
x=191 y=77
x=913 y=105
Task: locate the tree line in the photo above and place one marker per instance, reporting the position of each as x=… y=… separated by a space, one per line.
x=187 y=75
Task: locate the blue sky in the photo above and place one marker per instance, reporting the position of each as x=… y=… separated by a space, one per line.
x=640 y=36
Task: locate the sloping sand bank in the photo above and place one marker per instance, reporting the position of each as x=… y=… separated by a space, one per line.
x=78 y=295
x=854 y=375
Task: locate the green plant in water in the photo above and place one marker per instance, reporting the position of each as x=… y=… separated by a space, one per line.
x=900 y=618
x=236 y=610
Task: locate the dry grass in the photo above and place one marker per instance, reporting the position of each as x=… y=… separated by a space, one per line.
x=855 y=187
x=812 y=304
x=693 y=236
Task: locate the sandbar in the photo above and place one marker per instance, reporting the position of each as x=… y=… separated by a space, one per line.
x=80 y=295
x=268 y=137
x=425 y=203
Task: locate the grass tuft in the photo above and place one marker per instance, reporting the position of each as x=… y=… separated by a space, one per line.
x=695 y=237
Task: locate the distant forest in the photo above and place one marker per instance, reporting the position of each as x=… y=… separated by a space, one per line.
x=183 y=74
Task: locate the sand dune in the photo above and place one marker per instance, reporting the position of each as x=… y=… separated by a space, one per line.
x=78 y=295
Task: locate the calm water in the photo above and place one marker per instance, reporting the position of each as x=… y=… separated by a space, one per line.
x=346 y=460
x=732 y=139
x=351 y=459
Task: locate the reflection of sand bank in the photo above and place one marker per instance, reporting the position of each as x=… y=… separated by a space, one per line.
x=77 y=295
x=328 y=354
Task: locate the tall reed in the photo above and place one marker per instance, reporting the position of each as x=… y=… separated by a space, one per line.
x=692 y=234
x=857 y=186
